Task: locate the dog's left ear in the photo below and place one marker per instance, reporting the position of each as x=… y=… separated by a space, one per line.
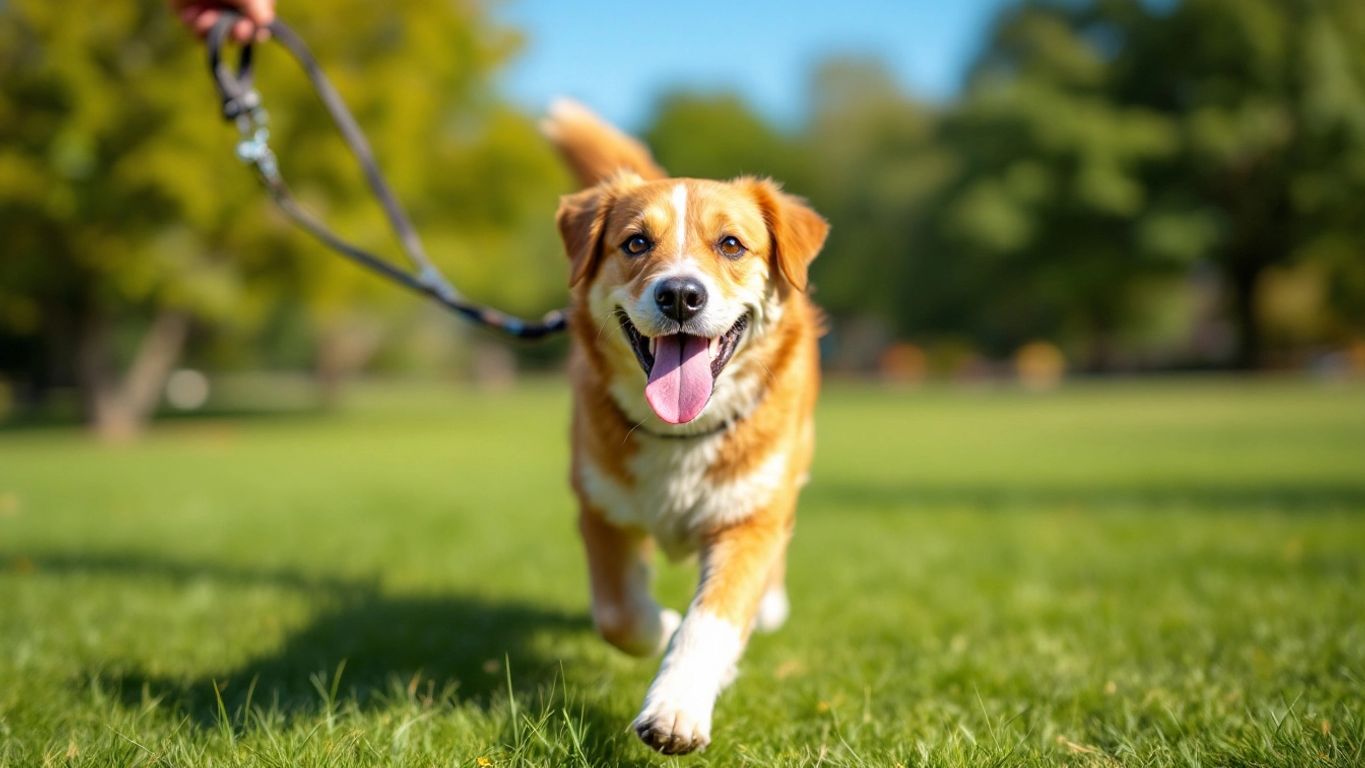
x=796 y=231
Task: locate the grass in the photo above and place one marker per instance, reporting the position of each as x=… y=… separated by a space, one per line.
x=1165 y=573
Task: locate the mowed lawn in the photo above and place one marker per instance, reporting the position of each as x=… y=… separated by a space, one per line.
x=1161 y=573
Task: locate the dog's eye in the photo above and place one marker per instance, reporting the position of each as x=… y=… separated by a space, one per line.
x=730 y=247
x=636 y=245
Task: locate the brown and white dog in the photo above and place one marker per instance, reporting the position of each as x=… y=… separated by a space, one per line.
x=694 y=373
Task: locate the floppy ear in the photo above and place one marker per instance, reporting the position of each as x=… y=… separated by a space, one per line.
x=796 y=231
x=582 y=219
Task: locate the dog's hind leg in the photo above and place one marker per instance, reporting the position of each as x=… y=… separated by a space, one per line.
x=773 y=607
x=619 y=568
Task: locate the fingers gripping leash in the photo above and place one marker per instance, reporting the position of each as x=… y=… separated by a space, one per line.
x=242 y=106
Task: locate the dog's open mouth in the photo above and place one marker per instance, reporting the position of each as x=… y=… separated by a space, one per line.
x=681 y=368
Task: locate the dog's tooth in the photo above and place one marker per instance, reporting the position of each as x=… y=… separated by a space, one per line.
x=653 y=342
x=714 y=347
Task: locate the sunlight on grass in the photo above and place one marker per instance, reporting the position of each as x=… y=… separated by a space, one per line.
x=1151 y=574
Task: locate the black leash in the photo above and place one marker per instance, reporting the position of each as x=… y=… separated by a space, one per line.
x=242 y=105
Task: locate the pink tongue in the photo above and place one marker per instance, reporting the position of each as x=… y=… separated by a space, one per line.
x=680 y=381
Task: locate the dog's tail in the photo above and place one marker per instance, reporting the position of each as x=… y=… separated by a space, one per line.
x=595 y=150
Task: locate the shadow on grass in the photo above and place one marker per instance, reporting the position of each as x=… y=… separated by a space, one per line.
x=432 y=649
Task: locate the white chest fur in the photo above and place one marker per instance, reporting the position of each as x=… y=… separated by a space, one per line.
x=672 y=496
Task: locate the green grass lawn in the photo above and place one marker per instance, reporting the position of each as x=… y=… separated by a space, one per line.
x=1164 y=573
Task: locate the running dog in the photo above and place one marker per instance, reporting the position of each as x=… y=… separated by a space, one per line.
x=694 y=373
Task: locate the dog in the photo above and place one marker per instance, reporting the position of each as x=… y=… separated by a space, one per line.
x=694 y=372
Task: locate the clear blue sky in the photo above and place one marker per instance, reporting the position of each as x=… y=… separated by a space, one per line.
x=618 y=57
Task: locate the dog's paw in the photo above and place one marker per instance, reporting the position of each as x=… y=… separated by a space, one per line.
x=674 y=729
x=772 y=611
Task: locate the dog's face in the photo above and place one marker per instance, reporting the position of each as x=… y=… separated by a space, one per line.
x=682 y=276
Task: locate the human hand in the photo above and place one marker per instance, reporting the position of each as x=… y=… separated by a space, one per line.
x=200 y=16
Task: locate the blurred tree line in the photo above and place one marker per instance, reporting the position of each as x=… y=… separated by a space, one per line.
x=129 y=226
x=1175 y=184
x=1142 y=184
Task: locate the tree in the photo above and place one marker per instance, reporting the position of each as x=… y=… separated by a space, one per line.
x=101 y=180
x=718 y=136
x=1106 y=147
x=875 y=162
x=1045 y=214
x=128 y=223
x=1268 y=97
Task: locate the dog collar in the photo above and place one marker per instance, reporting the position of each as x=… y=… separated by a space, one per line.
x=724 y=425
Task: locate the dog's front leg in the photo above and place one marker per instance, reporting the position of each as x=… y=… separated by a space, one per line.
x=623 y=609
x=736 y=565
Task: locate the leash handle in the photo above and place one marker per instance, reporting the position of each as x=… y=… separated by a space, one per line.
x=235 y=89
x=242 y=105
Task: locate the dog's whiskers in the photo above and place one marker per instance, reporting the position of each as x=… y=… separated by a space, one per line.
x=768 y=374
x=631 y=431
x=601 y=329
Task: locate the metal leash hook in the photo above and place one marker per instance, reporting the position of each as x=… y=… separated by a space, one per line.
x=242 y=106
x=242 y=103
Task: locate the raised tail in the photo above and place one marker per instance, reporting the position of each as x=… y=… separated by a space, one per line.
x=594 y=150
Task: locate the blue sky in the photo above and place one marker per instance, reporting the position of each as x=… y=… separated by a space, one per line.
x=618 y=57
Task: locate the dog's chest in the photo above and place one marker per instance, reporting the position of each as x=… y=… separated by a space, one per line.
x=673 y=495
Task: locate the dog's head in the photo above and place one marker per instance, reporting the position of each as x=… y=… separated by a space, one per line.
x=683 y=277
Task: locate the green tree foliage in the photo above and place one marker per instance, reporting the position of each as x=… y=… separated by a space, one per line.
x=1108 y=143
x=717 y=136
x=1044 y=215
x=1101 y=155
x=126 y=216
x=105 y=182
x=1268 y=100
x=874 y=162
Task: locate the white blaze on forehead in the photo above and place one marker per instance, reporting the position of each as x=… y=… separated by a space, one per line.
x=680 y=215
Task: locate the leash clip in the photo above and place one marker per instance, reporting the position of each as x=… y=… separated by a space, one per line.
x=241 y=101
x=254 y=146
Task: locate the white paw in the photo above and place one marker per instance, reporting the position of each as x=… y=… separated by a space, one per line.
x=676 y=716
x=773 y=610
x=674 y=724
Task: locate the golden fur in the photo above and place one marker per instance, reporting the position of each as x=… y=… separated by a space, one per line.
x=724 y=485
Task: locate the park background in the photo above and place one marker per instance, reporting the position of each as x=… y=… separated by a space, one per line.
x=1091 y=465
x=1106 y=187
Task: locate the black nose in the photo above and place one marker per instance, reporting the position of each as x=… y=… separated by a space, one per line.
x=680 y=298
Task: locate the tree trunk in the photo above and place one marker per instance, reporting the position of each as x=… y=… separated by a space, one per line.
x=345 y=346
x=1100 y=348
x=117 y=407
x=1245 y=281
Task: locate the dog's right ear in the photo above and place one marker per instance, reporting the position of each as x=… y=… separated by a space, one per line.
x=582 y=221
x=581 y=218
